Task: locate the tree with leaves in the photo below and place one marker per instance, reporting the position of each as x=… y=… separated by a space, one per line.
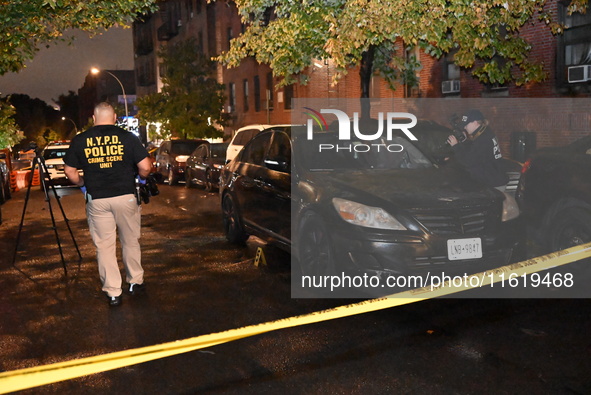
x=9 y=132
x=191 y=101
x=373 y=34
x=36 y=119
x=26 y=25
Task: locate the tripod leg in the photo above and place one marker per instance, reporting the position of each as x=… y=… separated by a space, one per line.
x=44 y=182
x=20 y=226
x=57 y=198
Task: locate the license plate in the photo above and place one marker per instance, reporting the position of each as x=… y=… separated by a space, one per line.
x=464 y=249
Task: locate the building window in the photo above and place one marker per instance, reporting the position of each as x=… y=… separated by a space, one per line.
x=577 y=37
x=230 y=36
x=574 y=46
x=287 y=96
x=231 y=97
x=269 y=91
x=189 y=6
x=245 y=89
x=257 y=93
x=450 y=81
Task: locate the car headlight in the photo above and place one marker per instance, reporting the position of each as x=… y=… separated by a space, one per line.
x=217 y=166
x=510 y=208
x=182 y=158
x=362 y=215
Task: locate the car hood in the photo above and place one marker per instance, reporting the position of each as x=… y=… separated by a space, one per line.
x=417 y=188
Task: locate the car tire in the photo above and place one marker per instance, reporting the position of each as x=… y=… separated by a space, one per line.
x=233 y=228
x=315 y=251
x=569 y=227
x=208 y=185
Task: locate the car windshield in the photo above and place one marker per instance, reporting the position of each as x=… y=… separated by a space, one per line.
x=54 y=153
x=324 y=152
x=184 y=147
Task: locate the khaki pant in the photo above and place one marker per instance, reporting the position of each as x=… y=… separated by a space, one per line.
x=106 y=217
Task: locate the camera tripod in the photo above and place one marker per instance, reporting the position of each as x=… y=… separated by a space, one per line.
x=46 y=183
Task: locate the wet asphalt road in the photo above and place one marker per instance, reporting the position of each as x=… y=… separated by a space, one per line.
x=198 y=284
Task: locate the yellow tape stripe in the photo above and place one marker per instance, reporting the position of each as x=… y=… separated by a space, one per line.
x=32 y=377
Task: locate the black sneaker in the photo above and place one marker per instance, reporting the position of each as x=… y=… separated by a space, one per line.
x=136 y=289
x=114 y=300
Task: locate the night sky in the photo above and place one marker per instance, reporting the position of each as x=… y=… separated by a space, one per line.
x=63 y=67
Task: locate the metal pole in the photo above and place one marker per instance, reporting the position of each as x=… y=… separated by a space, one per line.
x=122 y=89
x=73 y=123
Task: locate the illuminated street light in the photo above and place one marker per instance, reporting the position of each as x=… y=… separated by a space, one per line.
x=95 y=71
x=73 y=123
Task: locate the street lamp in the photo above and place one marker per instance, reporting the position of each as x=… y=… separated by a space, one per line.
x=73 y=123
x=95 y=71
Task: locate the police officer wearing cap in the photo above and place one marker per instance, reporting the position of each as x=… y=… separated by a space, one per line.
x=480 y=153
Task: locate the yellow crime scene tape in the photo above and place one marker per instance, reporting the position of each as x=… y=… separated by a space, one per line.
x=33 y=377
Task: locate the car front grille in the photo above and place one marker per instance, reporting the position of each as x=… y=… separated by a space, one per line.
x=462 y=221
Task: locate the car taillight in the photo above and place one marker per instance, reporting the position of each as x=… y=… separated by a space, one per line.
x=526 y=166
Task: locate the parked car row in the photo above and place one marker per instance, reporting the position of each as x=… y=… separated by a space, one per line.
x=198 y=162
x=413 y=213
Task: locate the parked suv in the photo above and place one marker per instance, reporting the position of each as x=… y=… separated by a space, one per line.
x=53 y=155
x=554 y=194
x=244 y=135
x=353 y=210
x=171 y=159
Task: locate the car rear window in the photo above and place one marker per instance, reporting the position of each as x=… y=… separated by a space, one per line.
x=54 y=153
x=244 y=136
x=219 y=151
x=184 y=148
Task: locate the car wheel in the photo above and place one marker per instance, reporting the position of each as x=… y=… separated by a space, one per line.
x=208 y=184
x=570 y=227
x=315 y=250
x=232 y=222
x=172 y=178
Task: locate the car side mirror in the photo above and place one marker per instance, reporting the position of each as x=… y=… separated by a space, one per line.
x=278 y=164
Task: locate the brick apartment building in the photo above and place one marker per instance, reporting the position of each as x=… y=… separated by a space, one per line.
x=253 y=98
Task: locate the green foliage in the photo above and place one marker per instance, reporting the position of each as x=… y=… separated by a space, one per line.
x=34 y=117
x=479 y=32
x=190 y=102
x=26 y=25
x=9 y=133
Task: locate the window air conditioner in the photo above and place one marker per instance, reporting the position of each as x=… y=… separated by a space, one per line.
x=450 y=86
x=579 y=73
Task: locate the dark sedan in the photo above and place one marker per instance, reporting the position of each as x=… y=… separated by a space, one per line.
x=171 y=159
x=204 y=165
x=554 y=194
x=347 y=209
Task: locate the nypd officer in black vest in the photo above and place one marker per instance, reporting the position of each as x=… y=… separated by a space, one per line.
x=480 y=153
